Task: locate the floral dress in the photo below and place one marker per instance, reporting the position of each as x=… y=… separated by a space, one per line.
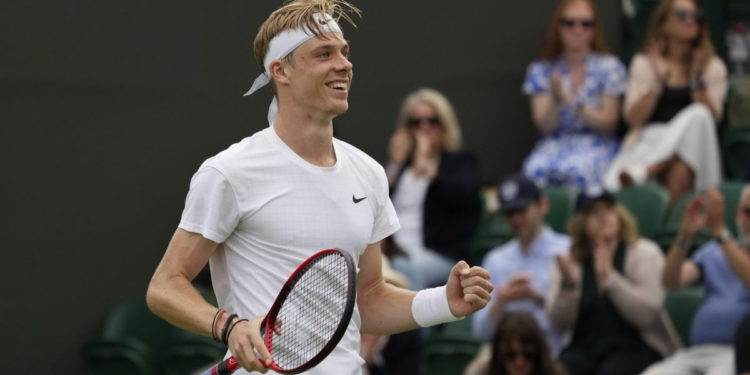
x=574 y=155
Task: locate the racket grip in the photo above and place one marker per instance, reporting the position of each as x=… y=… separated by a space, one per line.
x=224 y=367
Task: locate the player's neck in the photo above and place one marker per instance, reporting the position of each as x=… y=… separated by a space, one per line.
x=309 y=137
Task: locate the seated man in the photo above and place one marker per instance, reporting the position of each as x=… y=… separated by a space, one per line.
x=723 y=267
x=520 y=268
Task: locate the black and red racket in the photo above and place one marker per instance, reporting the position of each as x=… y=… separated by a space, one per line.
x=312 y=311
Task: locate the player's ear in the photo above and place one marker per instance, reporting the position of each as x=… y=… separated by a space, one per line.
x=280 y=72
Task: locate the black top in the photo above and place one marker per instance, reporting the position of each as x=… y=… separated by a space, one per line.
x=600 y=328
x=671 y=102
x=452 y=206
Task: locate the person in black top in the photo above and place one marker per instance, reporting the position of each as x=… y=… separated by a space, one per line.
x=434 y=188
x=673 y=102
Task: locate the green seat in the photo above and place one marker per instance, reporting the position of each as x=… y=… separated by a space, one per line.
x=188 y=352
x=666 y=236
x=681 y=306
x=732 y=191
x=131 y=342
x=493 y=231
x=561 y=207
x=449 y=348
x=649 y=204
x=736 y=151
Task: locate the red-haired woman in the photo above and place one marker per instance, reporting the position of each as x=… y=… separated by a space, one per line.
x=575 y=91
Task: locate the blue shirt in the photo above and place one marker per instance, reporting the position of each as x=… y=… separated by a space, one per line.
x=505 y=261
x=726 y=301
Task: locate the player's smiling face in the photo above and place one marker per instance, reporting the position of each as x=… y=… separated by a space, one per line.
x=321 y=74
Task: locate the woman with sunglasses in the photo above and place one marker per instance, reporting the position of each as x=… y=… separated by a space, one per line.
x=518 y=348
x=575 y=94
x=434 y=189
x=607 y=297
x=674 y=99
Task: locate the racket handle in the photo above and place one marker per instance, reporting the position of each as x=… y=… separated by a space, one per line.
x=224 y=367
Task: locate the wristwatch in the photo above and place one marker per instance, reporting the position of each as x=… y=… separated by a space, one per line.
x=724 y=236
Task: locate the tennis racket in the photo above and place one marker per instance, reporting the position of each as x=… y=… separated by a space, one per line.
x=312 y=310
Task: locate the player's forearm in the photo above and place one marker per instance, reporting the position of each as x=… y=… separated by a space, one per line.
x=175 y=300
x=386 y=309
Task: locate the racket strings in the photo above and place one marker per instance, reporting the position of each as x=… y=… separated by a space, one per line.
x=311 y=313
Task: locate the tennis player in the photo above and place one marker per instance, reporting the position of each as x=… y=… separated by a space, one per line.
x=259 y=208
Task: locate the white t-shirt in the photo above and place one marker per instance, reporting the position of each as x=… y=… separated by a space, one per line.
x=408 y=200
x=271 y=210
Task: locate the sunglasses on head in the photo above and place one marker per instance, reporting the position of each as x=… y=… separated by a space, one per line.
x=684 y=15
x=416 y=121
x=572 y=22
x=511 y=355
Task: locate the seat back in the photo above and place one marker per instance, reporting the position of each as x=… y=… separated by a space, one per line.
x=649 y=204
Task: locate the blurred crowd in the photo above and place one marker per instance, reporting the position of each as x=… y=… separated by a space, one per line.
x=590 y=300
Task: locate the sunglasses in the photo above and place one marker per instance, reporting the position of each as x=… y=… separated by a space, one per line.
x=571 y=23
x=416 y=121
x=746 y=211
x=511 y=355
x=684 y=15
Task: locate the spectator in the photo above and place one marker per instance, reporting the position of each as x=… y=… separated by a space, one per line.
x=518 y=348
x=606 y=297
x=742 y=347
x=674 y=99
x=723 y=267
x=575 y=94
x=434 y=188
x=520 y=269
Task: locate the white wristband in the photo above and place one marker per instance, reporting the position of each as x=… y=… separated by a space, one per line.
x=430 y=307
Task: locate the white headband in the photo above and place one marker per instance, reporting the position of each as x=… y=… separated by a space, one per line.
x=282 y=45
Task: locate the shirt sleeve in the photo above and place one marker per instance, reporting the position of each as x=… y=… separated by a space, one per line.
x=211 y=207
x=641 y=81
x=537 y=78
x=716 y=84
x=386 y=221
x=615 y=77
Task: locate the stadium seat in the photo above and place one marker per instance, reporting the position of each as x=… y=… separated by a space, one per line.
x=561 y=207
x=681 y=306
x=666 y=236
x=449 y=348
x=131 y=342
x=732 y=191
x=493 y=231
x=736 y=150
x=188 y=352
x=648 y=203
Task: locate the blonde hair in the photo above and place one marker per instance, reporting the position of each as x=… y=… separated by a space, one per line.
x=581 y=243
x=298 y=13
x=443 y=109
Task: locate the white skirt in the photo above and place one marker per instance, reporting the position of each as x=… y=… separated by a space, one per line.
x=690 y=135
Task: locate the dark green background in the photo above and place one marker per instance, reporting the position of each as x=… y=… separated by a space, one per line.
x=108 y=107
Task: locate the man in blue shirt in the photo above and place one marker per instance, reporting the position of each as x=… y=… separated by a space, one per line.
x=723 y=267
x=519 y=270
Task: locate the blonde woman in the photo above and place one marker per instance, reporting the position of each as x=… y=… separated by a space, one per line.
x=674 y=99
x=434 y=188
x=607 y=297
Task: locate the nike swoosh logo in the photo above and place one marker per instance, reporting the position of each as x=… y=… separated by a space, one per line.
x=357 y=200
